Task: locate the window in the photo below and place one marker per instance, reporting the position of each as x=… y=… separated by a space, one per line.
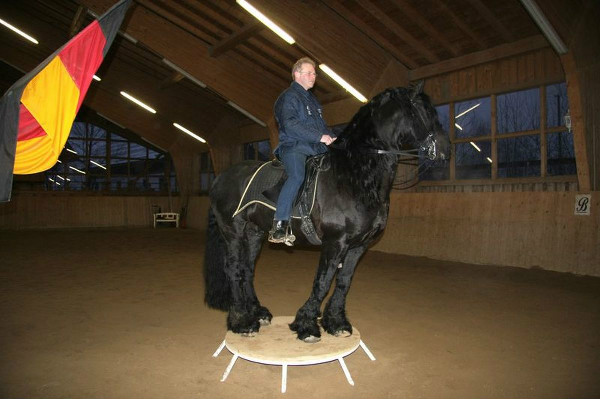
x=97 y=160
x=207 y=172
x=258 y=150
x=509 y=142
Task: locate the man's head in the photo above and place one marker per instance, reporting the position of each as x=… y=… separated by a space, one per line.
x=304 y=73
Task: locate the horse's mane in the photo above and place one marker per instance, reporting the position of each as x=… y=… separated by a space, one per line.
x=355 y=168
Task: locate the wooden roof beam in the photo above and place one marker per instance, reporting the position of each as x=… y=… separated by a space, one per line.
x=399 y=31
x=495 y=53
x=491 y=19
x=179 y=19
x=78 y=20
x=462 y=25
x=413 y=14
x=367 y=30
x=235 y=38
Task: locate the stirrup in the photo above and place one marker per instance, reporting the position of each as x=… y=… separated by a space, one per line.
x=289 y=236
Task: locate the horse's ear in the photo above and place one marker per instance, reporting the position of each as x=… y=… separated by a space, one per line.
x=416 y=89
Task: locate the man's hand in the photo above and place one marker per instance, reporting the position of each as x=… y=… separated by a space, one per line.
x=327 y=139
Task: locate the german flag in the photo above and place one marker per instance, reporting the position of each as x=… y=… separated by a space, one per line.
x=37 y=112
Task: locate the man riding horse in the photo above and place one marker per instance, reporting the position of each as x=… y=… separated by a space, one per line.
x=302 y=132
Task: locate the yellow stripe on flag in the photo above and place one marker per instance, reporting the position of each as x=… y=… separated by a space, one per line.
x=51 y=97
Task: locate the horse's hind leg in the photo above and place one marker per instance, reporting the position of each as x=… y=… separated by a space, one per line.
x=254 y=240
x=334 y=316
x=245 y=312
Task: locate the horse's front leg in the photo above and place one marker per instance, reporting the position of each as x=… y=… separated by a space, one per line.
x=334 y=316
x=305 y=324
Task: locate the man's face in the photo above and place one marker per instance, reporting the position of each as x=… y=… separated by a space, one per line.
x=306 y=76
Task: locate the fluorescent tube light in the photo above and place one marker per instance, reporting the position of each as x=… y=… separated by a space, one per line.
x=248 y=114
x=458 y=126
x=70 y=150
x=547 y=29
x=18 y=31
x=60 y=177
x=96 y=78
x=475 y=145
x=184 y=73
x=128 y=37
x=186 y=131
x=489 y=159
x=77 y=170
x=343 y=83
x=138 y=102
x=470 y=109
x=270 y=24
x=97 y=164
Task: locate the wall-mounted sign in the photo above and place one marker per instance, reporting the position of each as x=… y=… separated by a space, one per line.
x=583 y=203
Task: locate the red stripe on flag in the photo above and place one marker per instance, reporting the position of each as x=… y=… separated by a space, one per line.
x=83 y=56
x=29 y=128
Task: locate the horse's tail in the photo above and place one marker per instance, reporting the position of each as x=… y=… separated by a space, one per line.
x=217 y=293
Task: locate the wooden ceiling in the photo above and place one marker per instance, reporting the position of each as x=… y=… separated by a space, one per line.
x=220 y=44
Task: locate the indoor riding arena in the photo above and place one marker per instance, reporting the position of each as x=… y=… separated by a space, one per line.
x=477 y=270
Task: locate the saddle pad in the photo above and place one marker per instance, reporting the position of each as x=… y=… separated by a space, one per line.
x=264 y=186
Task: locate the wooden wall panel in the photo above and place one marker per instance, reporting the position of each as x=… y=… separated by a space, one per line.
x=533 y=229
x=46 y=210
x=518 y=72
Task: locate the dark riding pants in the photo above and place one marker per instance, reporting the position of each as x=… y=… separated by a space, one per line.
x=294 y=162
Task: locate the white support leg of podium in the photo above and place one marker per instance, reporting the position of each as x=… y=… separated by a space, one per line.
x=284 y=349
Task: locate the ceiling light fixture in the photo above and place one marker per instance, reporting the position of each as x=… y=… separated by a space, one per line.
x=96 y=78
x=458 y=126
x=489 y=159
x=270 y=24
x=97 y=164
x=470 y=109
x=475 y=145
x=70 y=150
x=343 y=83
x=248 y=114
x=547 y=29
x=138 y=102
x=128 y=37
x=184 y=73
x=186 y=131
x=77 y=170
x=18 y=31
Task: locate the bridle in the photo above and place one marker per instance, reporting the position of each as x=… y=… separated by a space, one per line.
x=428 y=146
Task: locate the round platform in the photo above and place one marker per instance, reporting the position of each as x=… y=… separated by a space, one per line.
x=276 y=344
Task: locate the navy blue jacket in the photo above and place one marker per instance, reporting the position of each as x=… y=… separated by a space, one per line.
x=299 y=116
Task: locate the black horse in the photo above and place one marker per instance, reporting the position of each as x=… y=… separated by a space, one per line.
x=351 y=210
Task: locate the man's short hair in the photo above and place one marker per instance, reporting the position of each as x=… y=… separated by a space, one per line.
x=298 y=65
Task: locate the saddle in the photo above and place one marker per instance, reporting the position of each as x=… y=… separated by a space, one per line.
x=265 y=184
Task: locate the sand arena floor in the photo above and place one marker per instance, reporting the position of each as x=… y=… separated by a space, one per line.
x=116 y=313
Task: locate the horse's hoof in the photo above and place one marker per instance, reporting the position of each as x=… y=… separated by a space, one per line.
x=342 y=334
x=311 y=339
x=264 y=322
x=249 y=334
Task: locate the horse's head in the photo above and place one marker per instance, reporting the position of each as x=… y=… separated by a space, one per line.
x=405 y=118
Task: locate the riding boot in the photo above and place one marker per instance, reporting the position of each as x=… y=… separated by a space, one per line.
x=278 y=231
